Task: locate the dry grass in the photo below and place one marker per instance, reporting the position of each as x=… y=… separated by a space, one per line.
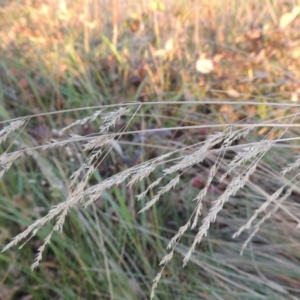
x=235 y=173
x=232 y=68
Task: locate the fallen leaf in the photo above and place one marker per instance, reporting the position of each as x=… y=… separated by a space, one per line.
x=289 y=17
x=233 y=93
x=204 y=66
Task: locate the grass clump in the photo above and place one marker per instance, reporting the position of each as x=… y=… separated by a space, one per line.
x=234 y=174
x=198 y=122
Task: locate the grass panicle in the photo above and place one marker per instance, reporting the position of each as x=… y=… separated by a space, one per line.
x=184 y=111
x=237 y=173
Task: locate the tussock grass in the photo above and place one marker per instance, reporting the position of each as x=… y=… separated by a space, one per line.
x=233 y=175
x=197 y=130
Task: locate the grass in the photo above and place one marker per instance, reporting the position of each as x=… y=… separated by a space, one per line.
x=65 y=59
